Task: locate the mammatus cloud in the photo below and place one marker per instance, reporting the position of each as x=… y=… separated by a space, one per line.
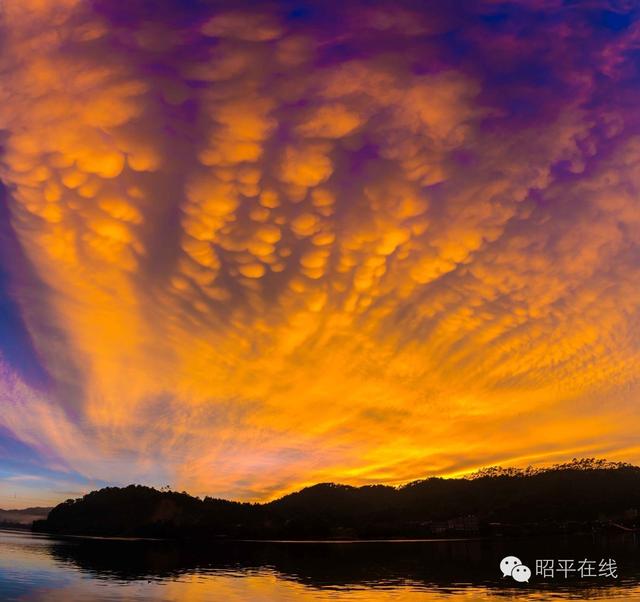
x=356 y=243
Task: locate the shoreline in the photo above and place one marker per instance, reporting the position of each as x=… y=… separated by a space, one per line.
x=243 y=540
x=317 y=541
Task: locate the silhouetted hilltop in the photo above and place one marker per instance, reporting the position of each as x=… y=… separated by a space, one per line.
x=580 y=496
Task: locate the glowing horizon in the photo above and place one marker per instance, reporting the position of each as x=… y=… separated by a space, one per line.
x=248 y=247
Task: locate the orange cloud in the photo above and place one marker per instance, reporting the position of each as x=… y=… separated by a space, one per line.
x=273 y=266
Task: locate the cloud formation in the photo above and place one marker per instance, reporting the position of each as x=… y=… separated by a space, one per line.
x=281 y=244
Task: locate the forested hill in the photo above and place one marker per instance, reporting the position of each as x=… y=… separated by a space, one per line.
x=580 y=496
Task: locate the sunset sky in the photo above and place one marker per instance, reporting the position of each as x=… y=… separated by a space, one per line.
x=251 y=246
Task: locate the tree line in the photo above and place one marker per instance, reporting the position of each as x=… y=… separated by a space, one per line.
x=580 y=495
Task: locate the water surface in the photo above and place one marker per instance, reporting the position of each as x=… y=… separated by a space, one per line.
x=41 y=568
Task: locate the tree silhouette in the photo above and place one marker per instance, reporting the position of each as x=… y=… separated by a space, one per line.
x=581 y=495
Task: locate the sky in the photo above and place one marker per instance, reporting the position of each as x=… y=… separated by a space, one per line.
x=250 y=246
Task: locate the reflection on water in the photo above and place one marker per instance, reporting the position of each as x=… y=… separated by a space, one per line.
x=34 y=567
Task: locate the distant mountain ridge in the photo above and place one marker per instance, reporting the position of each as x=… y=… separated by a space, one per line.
x=25 y=516
x=579 y=496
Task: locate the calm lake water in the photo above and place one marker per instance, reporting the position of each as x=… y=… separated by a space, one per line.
x=35 y=567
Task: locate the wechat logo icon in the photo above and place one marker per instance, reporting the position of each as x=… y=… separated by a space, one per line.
x=511 y=566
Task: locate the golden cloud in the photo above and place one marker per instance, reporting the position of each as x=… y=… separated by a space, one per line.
x=273 y=267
